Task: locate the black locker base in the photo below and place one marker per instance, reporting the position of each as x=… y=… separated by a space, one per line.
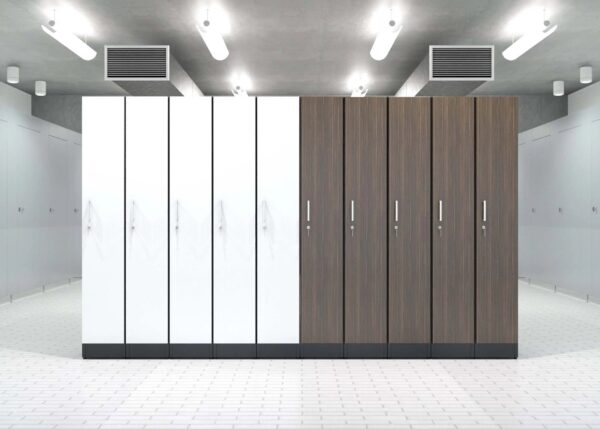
x=278 y=351
x=321 y=351
x=190 y=351
x=452 y=351
x=497 y=351
x=365 y=351
x=409 y=351
x=147 y=351
x=234 y=351
x=103 y=351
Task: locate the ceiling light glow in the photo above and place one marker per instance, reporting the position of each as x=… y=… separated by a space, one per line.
x=70 y=41
x=527 y=41
x=358 y=84
x=240 y=84
x=386 y=36
x=210 y=31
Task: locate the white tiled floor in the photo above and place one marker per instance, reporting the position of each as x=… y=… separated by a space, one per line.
x=554 y=384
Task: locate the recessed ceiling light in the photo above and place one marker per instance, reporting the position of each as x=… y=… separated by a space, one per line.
x=534 y=27
x=358 y=84
x=558 y=88
x=585 y=74
x=386 y=36
x=213 y=39
x=40 y=88
x=12 y=74
x=240 y=84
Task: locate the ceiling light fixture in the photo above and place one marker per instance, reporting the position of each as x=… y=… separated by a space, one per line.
x=240 y=84
x=385 y=38
x=12 y=74
x=529 y=39
x=359 y=91
x=213 y=39
x=69 y=40
x=40 y=88
x=558 y=88
x=239 y=91
x=585 y=74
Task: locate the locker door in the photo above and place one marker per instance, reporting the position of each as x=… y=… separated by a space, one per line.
x=4 y=295
x=321 y=233
x=74 y=209
x=366 y=227
x=278 y=210
x=102 y=225
x=496 y=232
x=191 y=229
x=234 y=226
x=453 y=227
x=146 y=250
x=595 y=209
x=409 y=214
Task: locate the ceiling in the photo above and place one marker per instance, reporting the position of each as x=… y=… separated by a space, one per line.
x=292 y=47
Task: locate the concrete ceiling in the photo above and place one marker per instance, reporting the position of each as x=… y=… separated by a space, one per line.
x=300 y=47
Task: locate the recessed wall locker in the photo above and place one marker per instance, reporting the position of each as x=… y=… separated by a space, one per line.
x=146 y=233
x=409 y=220
x=190 y=205
x=234 y=213
x=4 y=133
x=453 y=207
x=277 y=226
x=496 y=227
x=365 y=227
x=594 y=210
x=102 y=224
x=322 y=227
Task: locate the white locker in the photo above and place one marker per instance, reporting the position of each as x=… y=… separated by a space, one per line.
x=278 y=216
x=234 y=220
x=103 y=220
x=3 y=210
x=191 y=229
x=146 y=220
x=74 y=210
x=595 y=209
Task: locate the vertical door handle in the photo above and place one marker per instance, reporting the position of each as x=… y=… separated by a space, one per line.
x=396 y=211
x=352 y=217
x=89 y=216
x=483 y=227
x=264 y=215
x=307 y=217
x=221 y=224
x=440 y=211
x=177 y=215
x=132 y=216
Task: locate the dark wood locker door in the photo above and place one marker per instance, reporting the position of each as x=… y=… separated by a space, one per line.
x=409 y=226
x=453 y=206
x=365 y=220
x=496 y=231
x=321 y=226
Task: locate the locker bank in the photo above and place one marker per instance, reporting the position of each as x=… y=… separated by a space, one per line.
x=282 y=214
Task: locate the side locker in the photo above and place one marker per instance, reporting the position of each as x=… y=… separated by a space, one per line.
x=4 y=136
x=234 y=214
x=277 y=227
x=321 y=227
x=496 y=227
x=365 y=227
x=595 y=210
x=102 y=222
x=453 y=262
x=190 y=230
x=409 y=220
x=146 y=231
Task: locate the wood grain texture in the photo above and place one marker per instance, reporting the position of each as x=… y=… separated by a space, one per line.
x=321 y=250
x=497 y=261
x=366 y=247
x=409 y=244
x=453 y=263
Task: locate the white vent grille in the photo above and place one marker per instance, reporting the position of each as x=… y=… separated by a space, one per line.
x=136 y=63
x=461 y=63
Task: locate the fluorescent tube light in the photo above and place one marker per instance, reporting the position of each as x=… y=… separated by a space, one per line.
x=527 y=41
x=71 y=42
x=214 y=40
x=558 y=88
x=385 y=40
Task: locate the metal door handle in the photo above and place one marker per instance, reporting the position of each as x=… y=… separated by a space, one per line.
x=132 y=217
x=484 y=210
x=51 y=210
x=89 y=216
x=352 y=211
x=595 y=209
x=396 y=211
x=177 y=215
x=264 y=215
x=307 y=217
x=221 y=224
x=440 y=211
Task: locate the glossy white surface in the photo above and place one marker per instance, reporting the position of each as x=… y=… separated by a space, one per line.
x=102 y=219
x=191 y=208
x=234 y=220
x=146 y=220
x=277 y=247
x=554 y=384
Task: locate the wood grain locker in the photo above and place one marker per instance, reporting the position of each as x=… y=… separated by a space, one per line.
x=321 y=231
x=365 y=227
x=103 y=227
x=453 y=241
x=147 y=206
x=190 y=205
x=496 y=231
x=409 y=214
x=277 y=201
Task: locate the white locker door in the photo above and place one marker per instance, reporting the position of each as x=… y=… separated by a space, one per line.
x=74 y=209
x=234 y=220
x=3 y=210
x=102 y=221
x=147 y=227
x=277 y=247
x=595 y=210
x=191 y=229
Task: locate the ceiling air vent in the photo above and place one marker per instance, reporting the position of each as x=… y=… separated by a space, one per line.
x=461 y=63
x=136 y=62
